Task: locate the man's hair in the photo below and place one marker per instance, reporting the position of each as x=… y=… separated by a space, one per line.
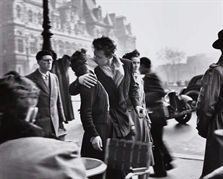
x=105 y=44
x=130 y=55
x=41 y=53
x=146 y=62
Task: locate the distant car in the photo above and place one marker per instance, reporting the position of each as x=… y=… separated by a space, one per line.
x=193 y=87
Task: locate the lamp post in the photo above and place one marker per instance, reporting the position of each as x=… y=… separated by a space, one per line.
x=46 y=29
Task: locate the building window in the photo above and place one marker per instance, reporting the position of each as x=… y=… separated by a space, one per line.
x=30 y=14
x=18 y=11
x=20 y=45
x=39 y=18
x=33 y=49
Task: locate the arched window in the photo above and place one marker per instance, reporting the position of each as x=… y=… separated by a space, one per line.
x=30 y=16
x=18 y=11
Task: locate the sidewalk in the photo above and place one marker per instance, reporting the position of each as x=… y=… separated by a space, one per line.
x=186 y=166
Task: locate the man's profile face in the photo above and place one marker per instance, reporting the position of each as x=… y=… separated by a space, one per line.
x=45 y=63
x=100 y=57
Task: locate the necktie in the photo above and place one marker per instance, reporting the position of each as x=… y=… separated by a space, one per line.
x=46 y=79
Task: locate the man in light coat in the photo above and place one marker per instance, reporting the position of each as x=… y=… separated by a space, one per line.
x=50 y=114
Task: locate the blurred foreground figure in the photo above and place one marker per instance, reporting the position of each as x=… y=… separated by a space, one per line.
x=210 y=110
x=40 y=158
x=18 y=99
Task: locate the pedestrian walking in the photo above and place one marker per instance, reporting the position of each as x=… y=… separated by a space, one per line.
x=154 y=93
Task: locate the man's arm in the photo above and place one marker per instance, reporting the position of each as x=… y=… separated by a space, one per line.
x=88 y=80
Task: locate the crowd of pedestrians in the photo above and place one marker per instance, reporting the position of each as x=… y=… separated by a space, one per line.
x=116 y=102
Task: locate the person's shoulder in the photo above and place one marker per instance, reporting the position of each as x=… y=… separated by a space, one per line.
x=216 y=67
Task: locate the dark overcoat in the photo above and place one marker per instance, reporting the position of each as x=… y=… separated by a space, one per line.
x=49 y=105
x=60 y=68
x=118 y=97
x=210 y=108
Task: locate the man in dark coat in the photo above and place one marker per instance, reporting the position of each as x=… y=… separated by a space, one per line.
x=210 y=110
x=50 y=114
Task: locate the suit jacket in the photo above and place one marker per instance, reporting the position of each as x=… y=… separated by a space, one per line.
x=49 y=102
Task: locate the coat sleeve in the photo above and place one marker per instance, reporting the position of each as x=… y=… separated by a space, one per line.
x=74 y=88
x=87 y=102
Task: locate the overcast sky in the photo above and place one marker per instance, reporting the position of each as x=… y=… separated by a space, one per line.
x=187 y=25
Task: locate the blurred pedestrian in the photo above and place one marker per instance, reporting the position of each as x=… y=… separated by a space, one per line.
x=154 y=93
x=18 y=99
x=50 y=115
x=210 y=110
x=93 y=111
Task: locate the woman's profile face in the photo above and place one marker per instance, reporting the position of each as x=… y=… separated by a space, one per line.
x=136 y=64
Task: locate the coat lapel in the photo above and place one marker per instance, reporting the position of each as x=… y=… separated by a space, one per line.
x=40 y=82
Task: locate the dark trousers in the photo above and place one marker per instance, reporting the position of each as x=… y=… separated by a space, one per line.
x=160 y=151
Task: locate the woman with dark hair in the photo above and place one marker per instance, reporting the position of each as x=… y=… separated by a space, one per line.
x=18 y=99
x=93 y=111
x=142 y=125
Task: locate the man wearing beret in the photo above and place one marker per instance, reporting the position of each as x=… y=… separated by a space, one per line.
x=50 y=114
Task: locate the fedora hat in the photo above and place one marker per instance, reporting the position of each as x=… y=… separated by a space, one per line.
x=218 y=44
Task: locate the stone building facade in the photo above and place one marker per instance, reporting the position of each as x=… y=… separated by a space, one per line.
x=75 y=23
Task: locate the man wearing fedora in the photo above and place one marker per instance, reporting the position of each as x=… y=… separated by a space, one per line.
x=210 y=111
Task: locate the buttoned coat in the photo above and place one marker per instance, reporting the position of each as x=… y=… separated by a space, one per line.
x=49 y=102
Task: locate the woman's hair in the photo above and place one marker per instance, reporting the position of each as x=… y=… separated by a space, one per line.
x=132 y=54
x=105 y=44
x=78 y=62
x=15 y=94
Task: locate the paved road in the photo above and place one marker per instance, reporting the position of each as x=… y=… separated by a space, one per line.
x=185 y=144
x=184 y=139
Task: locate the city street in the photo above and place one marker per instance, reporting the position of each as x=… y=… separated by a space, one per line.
x=186 y=146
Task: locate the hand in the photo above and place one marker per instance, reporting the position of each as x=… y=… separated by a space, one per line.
x=140 y=111
x=133 y=130
x=88 y=80
x=97 y=143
